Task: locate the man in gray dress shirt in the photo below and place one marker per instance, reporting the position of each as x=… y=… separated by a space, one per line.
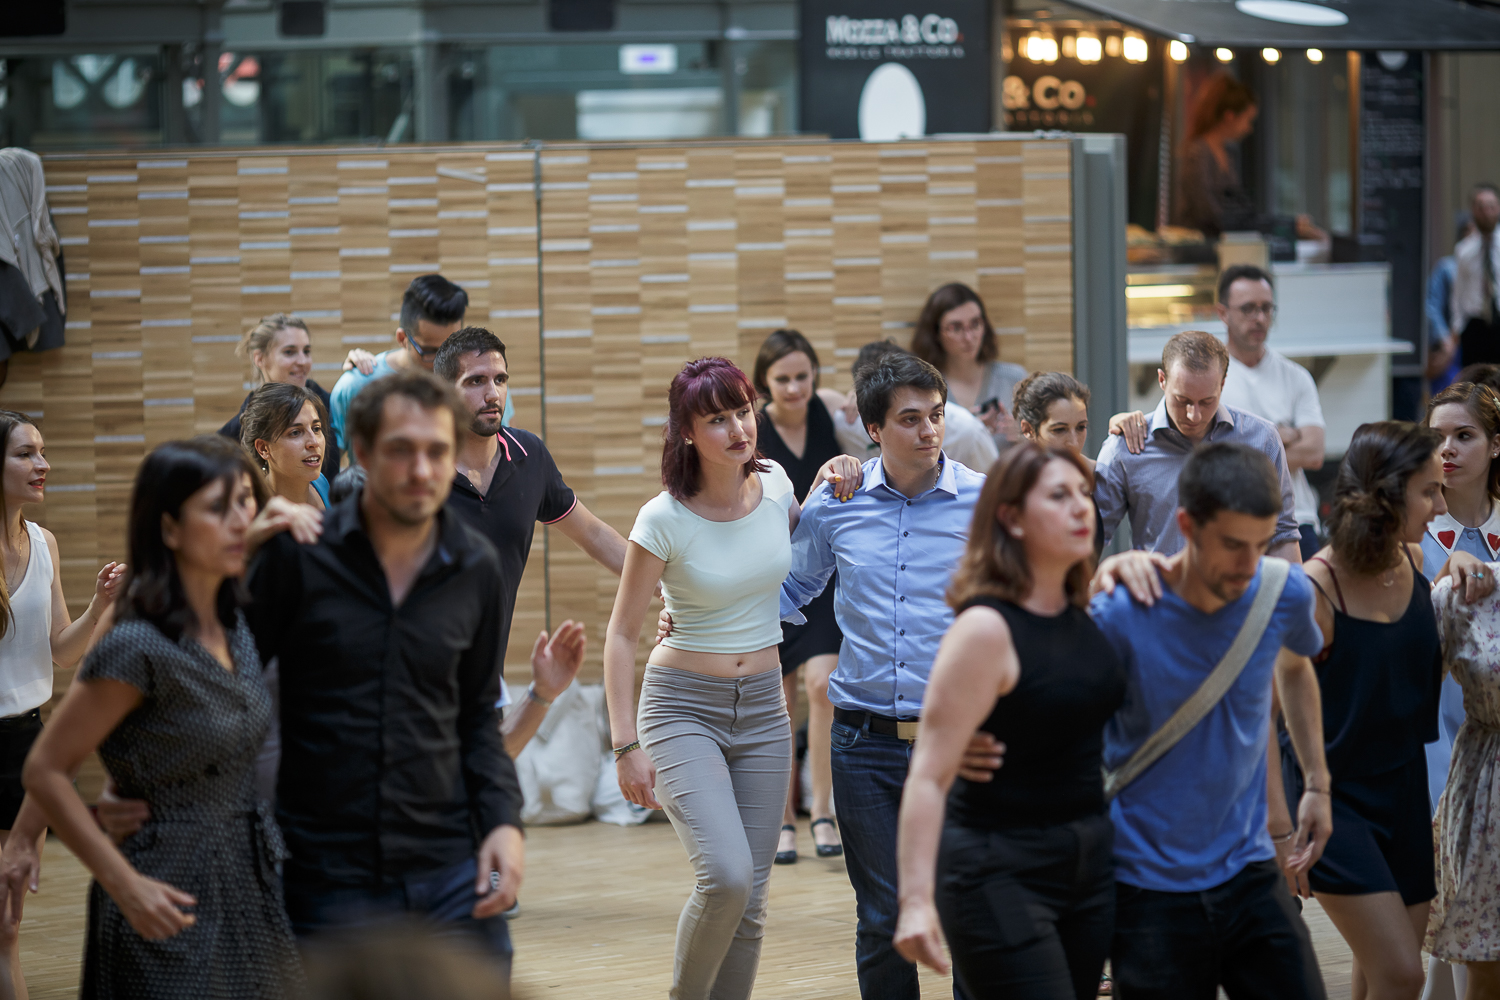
x=1144 y=486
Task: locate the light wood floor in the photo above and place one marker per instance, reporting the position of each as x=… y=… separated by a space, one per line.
x=598 y=913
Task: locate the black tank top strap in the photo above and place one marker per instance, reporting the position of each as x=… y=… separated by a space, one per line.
x=1336 y=588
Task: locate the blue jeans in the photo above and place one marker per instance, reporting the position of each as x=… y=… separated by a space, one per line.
x=440 y=900
x=869 y=771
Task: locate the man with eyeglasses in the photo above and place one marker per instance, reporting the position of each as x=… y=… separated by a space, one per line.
x=431 y=309
x=1266 y=383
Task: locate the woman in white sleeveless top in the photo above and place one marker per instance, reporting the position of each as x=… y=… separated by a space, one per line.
x=35 y=633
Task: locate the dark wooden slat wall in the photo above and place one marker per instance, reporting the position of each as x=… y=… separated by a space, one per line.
x=648 y=254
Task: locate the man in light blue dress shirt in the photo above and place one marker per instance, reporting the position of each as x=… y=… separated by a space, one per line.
x=895 y=543
x=1144 y=485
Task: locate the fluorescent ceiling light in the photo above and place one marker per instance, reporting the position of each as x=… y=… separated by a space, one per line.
x=1158 y=291
x=1293 y=12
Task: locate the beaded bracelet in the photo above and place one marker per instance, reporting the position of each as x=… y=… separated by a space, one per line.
x=622 y=751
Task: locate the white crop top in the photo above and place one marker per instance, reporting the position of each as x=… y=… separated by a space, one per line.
x=722 y=581
x=26 y=647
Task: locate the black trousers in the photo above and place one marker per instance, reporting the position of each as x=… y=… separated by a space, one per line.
x=1245 y=935
x=1479 y=342
x=1028 y=913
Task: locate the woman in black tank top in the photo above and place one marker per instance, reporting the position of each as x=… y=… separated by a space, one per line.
x=1022 y=877
x=1379 y=673
x=796 y=430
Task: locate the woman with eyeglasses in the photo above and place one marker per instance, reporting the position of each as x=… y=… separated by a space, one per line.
x=954 y=335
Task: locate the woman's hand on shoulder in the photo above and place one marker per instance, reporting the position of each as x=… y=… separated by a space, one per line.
x=1141 y=572
x=303 y=521
x=1472 y=579
x=1132 y=427
x=843 y=473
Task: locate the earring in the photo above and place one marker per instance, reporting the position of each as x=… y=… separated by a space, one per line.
x=688 y=440
x=1016 y=532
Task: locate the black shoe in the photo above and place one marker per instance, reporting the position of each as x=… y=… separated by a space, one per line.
x=787 y=857
x=828 y=850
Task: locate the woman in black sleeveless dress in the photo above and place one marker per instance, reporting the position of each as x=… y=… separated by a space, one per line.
x=1380 y=673
x=1023 y=885
x=796 y=430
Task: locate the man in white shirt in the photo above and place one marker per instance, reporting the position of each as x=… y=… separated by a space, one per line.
x=1271 y=386
x=1475 y=306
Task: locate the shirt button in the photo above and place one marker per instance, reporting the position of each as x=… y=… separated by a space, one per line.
x=905 y=533
x=903 y=631
x=900 y=697
x=901 y=664
x=903 y=565
x=908 y=503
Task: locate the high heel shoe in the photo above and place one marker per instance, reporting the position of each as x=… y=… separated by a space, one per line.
x=827 y=850
x=787 y=857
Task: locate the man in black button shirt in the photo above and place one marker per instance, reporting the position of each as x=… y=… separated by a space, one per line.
x=395 y=793
x=506 y=482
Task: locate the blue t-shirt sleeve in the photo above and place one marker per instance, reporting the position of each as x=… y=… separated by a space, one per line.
x=338 y=404
x=1302 y=635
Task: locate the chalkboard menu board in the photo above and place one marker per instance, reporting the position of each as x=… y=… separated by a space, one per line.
x=1392 y=142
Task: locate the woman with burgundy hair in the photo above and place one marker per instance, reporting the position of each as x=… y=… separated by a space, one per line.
x=712 y=745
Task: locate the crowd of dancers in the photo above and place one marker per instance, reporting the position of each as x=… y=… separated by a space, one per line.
x=1032 y=761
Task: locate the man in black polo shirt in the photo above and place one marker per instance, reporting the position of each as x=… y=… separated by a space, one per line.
x=506 y=482
x=395 y=792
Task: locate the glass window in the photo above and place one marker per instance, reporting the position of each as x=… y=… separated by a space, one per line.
x=607 y=91
x=87 y=99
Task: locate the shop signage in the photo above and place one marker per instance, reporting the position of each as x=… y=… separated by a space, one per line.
x=880 y=69
x=1392 y=141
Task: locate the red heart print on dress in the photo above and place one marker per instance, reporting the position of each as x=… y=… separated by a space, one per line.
x=1494 y=541
x=1445 y=538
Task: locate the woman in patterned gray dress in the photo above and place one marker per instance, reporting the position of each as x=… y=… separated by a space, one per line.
x=172 y=699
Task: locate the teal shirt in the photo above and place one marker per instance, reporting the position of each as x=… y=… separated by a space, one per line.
x=348 y=386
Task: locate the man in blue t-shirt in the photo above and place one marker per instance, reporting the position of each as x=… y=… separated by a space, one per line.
x=432 y=308
x=1201 y=897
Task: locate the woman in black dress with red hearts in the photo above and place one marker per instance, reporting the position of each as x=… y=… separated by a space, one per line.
x=796 y=431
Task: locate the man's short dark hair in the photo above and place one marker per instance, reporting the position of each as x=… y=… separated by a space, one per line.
x=1228 y=476
x=1489 y=186
x=469 y=340
x=434 y=298
x=1237 y=272
x=877 y=382
x=873 y=350
x=426 y=390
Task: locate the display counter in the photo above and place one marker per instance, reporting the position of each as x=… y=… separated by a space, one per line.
x=1332 y=318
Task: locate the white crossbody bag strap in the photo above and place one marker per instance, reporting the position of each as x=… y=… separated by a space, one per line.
x=1214 y=687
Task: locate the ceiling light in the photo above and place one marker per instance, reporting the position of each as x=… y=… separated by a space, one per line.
x=1089 y=48
x=1314 y=55
x=1270 y=55
x=1158 y=291
x=1178 y=51
x=1069 y=46
x=1293 y=12
x=1112 y=46
x=1041 y=48
x=1135 y=48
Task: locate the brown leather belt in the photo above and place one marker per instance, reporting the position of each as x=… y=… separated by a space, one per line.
x=901 y=729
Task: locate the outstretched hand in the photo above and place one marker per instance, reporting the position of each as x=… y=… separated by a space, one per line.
x=108 y=583
x=555 y=659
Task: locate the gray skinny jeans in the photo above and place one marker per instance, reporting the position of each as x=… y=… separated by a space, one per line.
x=722 y=749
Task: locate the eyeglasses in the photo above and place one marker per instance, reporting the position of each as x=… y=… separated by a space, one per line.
x=977 y=326
x=419 y=351
x=1250 y=310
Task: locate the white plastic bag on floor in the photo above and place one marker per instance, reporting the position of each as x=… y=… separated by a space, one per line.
x=559 y=768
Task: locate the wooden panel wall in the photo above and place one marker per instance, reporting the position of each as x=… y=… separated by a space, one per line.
x=647 y=255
